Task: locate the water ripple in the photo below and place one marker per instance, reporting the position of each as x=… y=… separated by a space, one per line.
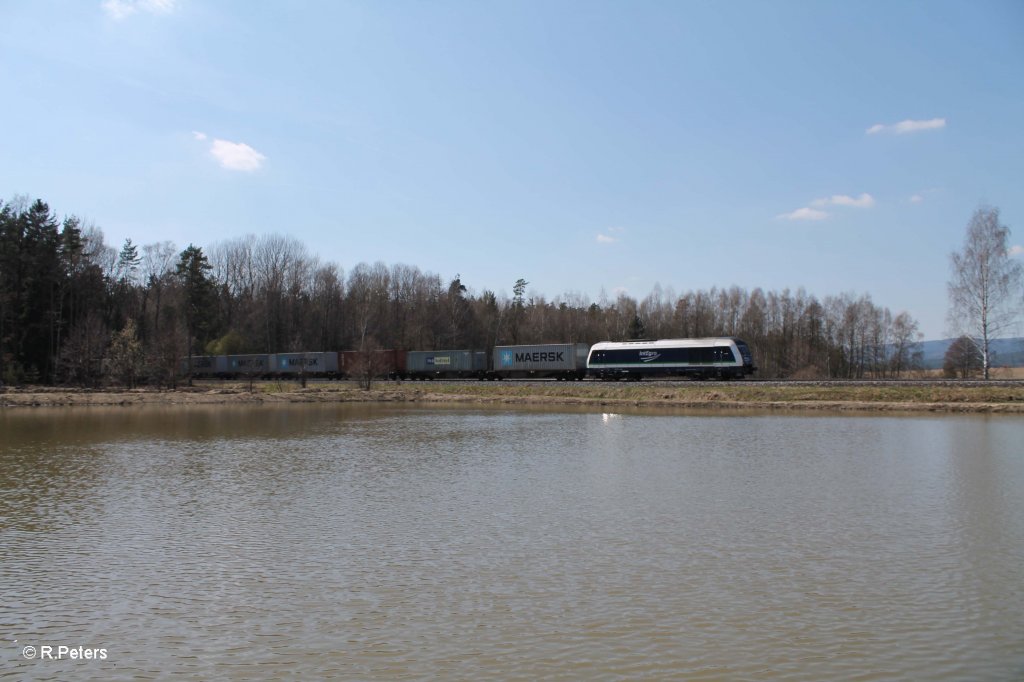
x=415 y=544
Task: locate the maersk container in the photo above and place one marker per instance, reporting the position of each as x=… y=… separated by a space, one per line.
x=205 y=365
x=559 y=360
x=304 y=363
x=426 y=364
x=245 y=365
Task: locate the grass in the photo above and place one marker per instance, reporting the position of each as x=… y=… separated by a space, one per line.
x=684 y=393
x=950 y=397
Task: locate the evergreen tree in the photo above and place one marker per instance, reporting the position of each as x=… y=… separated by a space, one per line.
x=518 y=307
x=40 y=282
x=637 y=330
x=10 y=269
x=128 y=262
x=198 y=291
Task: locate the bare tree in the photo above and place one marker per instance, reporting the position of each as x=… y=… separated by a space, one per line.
x=157 y=269
x=125 y=355
x=84 y=350
x=371 y=363
x=985 y=290
x=962 y=359
x=280 y=263
x=905 y=345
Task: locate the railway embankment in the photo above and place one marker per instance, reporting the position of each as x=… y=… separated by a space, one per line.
x=914 y=396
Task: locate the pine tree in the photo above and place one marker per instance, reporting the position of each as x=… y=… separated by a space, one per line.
x=199 y=302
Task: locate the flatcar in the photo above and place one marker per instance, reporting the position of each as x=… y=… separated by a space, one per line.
x=711 y=358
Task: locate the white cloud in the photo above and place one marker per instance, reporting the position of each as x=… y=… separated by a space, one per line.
x=813 y=210
x=907 y=126
x=1016 y=250
x=237 y=156
x=921 y=196
x=122 y=9
x=609 y=235
x=863 y=201
x=198 y=135
x=805 y=213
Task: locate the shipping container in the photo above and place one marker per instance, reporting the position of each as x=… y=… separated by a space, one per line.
x=309 y=364
x=439 y=364
x=383 y=363
x=248 y=365
x=204 y=365
x=563 y=361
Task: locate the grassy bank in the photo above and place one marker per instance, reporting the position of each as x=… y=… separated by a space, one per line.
x=1002 y=397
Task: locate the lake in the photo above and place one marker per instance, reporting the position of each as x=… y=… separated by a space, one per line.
x=383 y=542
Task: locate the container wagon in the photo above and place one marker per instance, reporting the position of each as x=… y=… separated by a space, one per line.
x=562 y=361
x=205 y=365
x=445 y=364
x=711 y=358
x=304 y=364
x=252 y=365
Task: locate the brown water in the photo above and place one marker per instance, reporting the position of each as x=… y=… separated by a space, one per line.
x=363 y=542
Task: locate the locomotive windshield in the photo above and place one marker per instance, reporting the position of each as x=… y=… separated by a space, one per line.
x=748 y=359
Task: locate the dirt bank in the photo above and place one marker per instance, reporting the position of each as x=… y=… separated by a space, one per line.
x=1009 y=400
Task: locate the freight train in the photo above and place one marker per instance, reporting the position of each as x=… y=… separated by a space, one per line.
x=710 y=358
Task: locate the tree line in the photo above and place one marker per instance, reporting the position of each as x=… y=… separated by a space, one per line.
x=74 y=310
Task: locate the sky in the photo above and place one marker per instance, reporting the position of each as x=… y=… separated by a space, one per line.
x=587 y=147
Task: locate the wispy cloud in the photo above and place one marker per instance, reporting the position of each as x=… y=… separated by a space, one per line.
x=236 y=156
x=1016 y=250
x=122 y=9
x=908 y=126
x=609 y=236
x=813 y=211
x=920 y=196
x=805 y=213
x=865 y=200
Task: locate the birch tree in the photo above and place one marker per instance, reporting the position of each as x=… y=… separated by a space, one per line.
x=986 y=289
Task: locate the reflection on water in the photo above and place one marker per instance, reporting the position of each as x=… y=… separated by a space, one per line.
x=367 y=542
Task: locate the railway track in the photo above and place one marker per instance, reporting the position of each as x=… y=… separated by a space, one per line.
x=960 y=383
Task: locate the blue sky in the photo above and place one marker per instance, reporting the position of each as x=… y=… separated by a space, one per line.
x=583 y=146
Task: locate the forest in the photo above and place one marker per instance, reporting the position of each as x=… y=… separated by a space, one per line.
x=77 y=311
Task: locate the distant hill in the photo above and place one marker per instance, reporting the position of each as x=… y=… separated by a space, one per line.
x=1005 y=352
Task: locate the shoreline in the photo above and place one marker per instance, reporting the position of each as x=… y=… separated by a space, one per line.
x=999 y=399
